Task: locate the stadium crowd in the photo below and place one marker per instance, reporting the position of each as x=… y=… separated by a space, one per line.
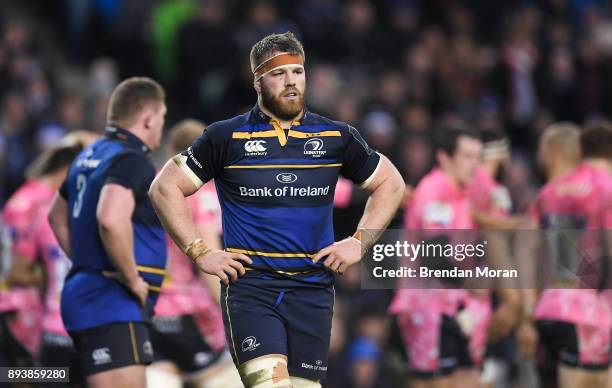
x=398 y=70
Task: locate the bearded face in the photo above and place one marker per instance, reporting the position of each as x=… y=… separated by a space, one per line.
x=283 y=91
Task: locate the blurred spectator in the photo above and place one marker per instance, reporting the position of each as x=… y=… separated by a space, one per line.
x=207 y=59
x=318 y=20
x=379 y=128
x=103 y=77
x=360 y=38
x=416 y=158
x=416 y=118
x=168 y=17
x=16 y=144
x=264 y=19
x=324 y=87
x=558 y=85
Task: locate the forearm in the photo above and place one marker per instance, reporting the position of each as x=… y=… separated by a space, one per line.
x=495 y=222
x=382 y=206
x=511 y=298
x=174 y=213
x=118 y=240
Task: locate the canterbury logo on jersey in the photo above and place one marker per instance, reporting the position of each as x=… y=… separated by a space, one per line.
x=255 y=147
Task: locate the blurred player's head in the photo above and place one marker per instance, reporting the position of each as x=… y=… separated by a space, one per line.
x=277 y=62
x=53 y=164
x=559 y=148
x=138 y=105
x=495 y=150
x=80 y=137
x=596 y=141
x=183 y=134
x=458 y=152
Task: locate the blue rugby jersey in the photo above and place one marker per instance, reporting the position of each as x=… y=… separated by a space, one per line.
x=276 y=187
x=89 y=298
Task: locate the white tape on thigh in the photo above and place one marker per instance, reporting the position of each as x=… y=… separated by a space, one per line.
x=265 y=372
x=299 y=382
x=161 y=379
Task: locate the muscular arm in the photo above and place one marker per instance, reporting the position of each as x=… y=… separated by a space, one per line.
x=58 y=219
x=114 y=214
x=167 y=193
x=387 y=188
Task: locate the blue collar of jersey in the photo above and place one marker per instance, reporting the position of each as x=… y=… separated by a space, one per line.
x=113 y=132
x=260 y=117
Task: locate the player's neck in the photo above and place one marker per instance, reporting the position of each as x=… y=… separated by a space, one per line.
x=599 y=163
x=285 y=124
x=142 y=134
x=453 y=180
x=560 y=169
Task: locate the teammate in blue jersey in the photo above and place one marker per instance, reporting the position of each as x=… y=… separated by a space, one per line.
x=104 y=221
x=275 y=169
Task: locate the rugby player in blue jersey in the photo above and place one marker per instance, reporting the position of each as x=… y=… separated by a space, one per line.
x=275 y=170
x=104 y=221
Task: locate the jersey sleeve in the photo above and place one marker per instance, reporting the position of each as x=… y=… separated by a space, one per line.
x=205 y=158
x=501 y=202
x=133 y=171
x=360 y=161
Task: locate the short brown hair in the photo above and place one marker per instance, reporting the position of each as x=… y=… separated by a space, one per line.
x=184 y=133
x=130 y=97
x=562 y=136
x=275 y=43
x=596 y=140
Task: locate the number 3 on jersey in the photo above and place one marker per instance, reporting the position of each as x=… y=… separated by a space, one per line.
x=81 y=186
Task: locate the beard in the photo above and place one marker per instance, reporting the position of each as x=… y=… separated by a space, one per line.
x=284 y=110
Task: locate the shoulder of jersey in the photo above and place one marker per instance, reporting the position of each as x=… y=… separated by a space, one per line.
x=317 y=119
x=224 y=128
x=143 y=159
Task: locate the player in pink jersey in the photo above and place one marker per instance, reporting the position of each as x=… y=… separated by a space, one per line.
x=22 y=310
x=574 y=324
x=188 y=336
x=491 y=206
x=444 y=330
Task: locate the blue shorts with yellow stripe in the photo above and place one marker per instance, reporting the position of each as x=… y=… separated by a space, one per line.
x=262 y=317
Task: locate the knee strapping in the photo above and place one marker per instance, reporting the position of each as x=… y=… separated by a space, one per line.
x=265 y=372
